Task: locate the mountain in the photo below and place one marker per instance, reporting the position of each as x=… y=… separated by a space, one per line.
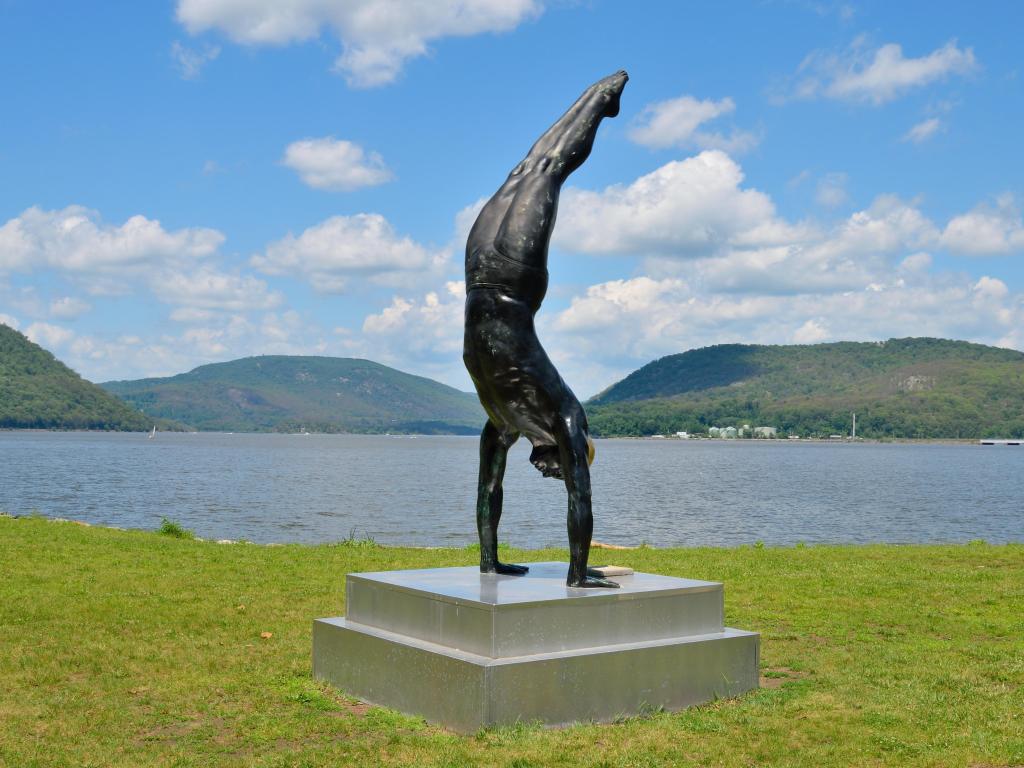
x=288 y=393
x=918 y=387
x=37 y=391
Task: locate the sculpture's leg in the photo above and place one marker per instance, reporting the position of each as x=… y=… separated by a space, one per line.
x=530 y=216
x=571 y=138
x=494 y=447
x=572 y=444
x=527 y=225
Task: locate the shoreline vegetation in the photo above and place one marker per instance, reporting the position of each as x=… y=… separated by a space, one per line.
x=693 y=438
x=37 y=390
x=147 y=648
x=900 y=389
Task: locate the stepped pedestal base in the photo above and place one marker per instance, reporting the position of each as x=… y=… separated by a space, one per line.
x=468 y=650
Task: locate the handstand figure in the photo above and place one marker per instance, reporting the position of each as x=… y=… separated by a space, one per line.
x=519 y=388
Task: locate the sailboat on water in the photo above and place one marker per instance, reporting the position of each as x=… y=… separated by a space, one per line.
x=153 y=433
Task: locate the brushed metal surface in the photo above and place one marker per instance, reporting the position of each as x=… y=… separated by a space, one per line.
x=466 y=691
x=544 y=582
x=505 y=616
x=442 y=685
x=531 y=629
x=456 y=625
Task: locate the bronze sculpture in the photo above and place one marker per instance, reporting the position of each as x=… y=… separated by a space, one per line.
x=518 y=386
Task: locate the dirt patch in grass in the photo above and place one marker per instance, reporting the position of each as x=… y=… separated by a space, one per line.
x=776 y=677
x=354 y=708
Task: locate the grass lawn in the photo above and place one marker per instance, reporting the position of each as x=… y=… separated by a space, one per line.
x=136 y=648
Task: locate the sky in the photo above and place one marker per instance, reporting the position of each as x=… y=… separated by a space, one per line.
x=197 y=181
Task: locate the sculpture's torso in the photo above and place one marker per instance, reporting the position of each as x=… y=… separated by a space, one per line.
x=517 y=384
x=488 y=268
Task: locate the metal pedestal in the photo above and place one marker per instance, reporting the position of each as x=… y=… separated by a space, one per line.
x=468 y=650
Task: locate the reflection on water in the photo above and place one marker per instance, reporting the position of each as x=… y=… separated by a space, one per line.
x=420 y=491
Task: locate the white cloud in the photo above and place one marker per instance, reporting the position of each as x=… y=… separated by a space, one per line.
x=991 y=288
x=684 y=209
x=676 y=123
x=139 y=257
x=606 y=304
x=813 y=331
x=916 y=262
x=436 y=316
x=887 y=226
x=329 y=254
x=75 y=240
x=923 y=131
x=987 y=230
x=393 y=317
x=424 y=333
x=10 y=322
x=848 y=255
x=69 y=308
x=192 y=315
x=190 y=61
x=831 y=192
x=377 y=36
x=49 y=336
x=209 y=289
x=334 y=164
x=856 y=252
x=694 y=218
x=879 y=76
x=673 y=122
x=783 y=270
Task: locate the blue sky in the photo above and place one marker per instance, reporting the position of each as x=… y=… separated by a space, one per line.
x=195 y=181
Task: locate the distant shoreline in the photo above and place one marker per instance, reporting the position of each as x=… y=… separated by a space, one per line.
x=837 y=441
x=598 y=547
x=653 y=438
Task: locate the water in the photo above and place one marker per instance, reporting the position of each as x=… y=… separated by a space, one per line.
x=420 y=491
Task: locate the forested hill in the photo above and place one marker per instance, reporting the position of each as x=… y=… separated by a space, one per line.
x=918 y=387
x=290 y=393
x=37 y=391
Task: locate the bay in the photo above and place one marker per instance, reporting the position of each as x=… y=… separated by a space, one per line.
x=420 y=490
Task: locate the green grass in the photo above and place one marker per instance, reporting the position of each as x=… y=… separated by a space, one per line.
x=174 y=530
x=132 y=648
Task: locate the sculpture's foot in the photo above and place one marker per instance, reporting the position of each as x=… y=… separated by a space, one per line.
x=505 y=569
x=591 y=582
x=610 y=89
